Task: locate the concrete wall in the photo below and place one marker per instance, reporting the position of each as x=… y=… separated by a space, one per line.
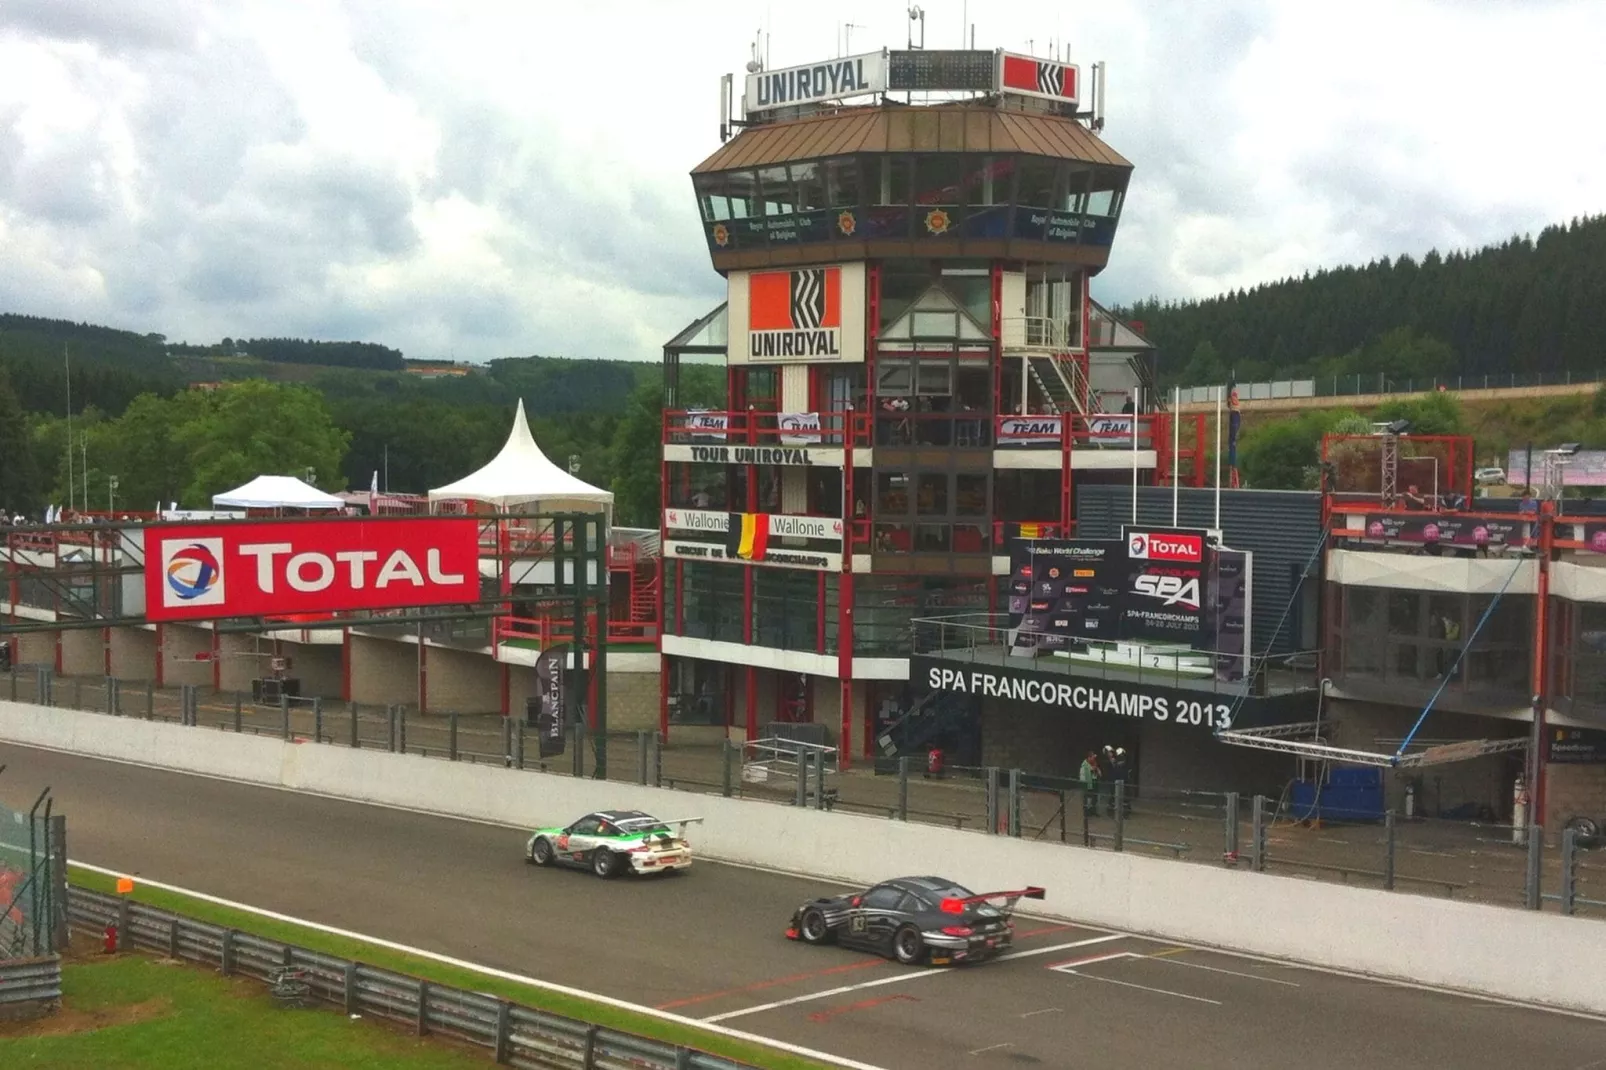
x=1573 y=790
x=36 y=648
x=83 y=652
x=134 y=653
x=632 y=701
x=1466 y=946
x=383 y=672
x=316 y=665
x=461 y=681
x=243 y=658
x=179 y=644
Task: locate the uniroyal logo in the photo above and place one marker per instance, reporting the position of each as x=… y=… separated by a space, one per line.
x=1170 y=590
x=1151 y=547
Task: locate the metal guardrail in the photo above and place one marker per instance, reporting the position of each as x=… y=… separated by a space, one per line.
x=517 y=1036
x=1337 y=386
x=35 y=981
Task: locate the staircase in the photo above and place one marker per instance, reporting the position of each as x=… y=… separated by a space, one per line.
x=644 y=598
x=1062 y=381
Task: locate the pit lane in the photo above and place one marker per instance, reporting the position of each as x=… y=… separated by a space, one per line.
x=709 y=944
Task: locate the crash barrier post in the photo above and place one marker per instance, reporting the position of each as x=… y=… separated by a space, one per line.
x=518 y=745
x=580 y=748
x=726 y=753
x=1388 y=851
x=77 y=693
x=42 y=688
x=819 y=780
x=800 y=797
x=451 y=734
x=390 y=719
x=513 y=1033
x=284 y=716
x=1064 y=817
x=317 y=719
x=356 y=739
x=111 y=695
x=1258 y=833
x=903 y=787
x=507 y=742
x=992 y=801
x=188 y=705
x=1569 y=870
x=657 y=760
x=401 y=728
x=150 y=700
x=1532 y=890
x=1090 y=802
x=13 y=674
x=238 y=703
x=1229 y=851
x=1119 y=841
x=1014 y=803
x=641 y=757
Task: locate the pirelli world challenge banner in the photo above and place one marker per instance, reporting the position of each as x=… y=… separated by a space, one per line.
x=1154 y=587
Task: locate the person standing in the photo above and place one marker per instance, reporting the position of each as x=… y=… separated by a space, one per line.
x=1118 y=771
x=1089 y=776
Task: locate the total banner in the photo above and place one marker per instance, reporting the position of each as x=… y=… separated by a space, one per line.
x=245 y=569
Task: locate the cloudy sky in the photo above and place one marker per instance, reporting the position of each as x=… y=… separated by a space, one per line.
x=481 y=178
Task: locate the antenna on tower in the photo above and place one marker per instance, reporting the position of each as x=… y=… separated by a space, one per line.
x=917 y=14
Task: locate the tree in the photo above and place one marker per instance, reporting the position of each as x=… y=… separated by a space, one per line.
x=257 y=428
x=20 y=480
x=636 y=451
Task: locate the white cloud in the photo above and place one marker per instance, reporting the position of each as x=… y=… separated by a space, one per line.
x=498 y=177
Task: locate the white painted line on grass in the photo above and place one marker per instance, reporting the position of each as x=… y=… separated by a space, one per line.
x=489 y=971
x=901 y=978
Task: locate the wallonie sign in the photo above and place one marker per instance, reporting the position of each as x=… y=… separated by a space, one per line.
x=242 y=569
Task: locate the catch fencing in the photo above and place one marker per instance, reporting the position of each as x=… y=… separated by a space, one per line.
x=1384 y=383
x=1479 y=860
x=32 y=877
x=296 y=977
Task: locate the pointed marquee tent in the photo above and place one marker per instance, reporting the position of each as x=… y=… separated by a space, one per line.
x=276 y=492
x=522 y=478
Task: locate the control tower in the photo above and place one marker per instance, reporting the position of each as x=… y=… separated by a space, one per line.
x=914 y=374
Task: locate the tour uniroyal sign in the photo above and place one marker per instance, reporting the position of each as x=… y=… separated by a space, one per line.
x=245 y=569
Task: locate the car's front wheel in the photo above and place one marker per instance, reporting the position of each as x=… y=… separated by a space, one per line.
x=812 y=927
x=908 y=945
x=541 y=853
x=604 y=863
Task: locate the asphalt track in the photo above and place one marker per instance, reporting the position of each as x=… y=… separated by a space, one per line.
x=708 y=944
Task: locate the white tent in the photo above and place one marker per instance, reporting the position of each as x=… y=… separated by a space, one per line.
x=522 y=476
x=277 y=492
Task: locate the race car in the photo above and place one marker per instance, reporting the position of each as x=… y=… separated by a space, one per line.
x=913 y=919
x=610 y=842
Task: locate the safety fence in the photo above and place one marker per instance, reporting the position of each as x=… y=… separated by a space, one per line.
x=516 y=1035
x=1384 y=383
x=1351 y=840
x=32 y=866
x=29 y=985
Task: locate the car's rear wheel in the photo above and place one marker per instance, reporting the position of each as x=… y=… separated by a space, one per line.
x=908 y=945
x=541 y=853
x=812 y=927
x=604 y=863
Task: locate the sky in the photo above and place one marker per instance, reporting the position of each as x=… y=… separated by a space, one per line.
x=473 y=179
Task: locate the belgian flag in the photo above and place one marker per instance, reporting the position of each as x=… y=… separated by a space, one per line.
x=747 y=536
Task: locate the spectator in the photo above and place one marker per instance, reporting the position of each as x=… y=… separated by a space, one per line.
x=1089 y=776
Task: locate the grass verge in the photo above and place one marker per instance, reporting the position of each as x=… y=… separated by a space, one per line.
x=134 y=1012
x=443 y=973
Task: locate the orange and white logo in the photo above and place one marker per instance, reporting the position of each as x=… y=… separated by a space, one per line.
x=792 y=314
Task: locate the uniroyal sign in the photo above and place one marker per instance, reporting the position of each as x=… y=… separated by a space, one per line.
x=243 y=569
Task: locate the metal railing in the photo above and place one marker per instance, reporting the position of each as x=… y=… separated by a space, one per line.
x=516 y=1035
x=1383 y=383
x=1319 y=832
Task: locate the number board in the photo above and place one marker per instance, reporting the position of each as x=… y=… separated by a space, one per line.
x=942 y=69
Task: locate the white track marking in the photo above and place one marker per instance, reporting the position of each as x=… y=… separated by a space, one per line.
x=1218 y=969
x=1045 y=1010
x=901 y=978
x=991 y=1047
x=1070 y=971
x=488 y=971
x=1248 y=956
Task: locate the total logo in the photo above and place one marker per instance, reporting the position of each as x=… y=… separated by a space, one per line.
x=1151 y=547
x=193 y=569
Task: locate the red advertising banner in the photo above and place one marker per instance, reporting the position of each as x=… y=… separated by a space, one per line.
x=245 y=569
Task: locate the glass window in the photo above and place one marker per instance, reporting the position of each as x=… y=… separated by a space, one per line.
x=1037 y=182
x=938 y=179
x=935 y=376
x=1074 y=196
x=892 y=494
x=1108 y=188
x=711 y=197
x=932 y=496
x=882 y=898
x=779 y=197
x=894 y=185
x=841 y=182
x=894 y=377
x=987 y=179
x=970 y=495
x=741 y=191
x=1405 y=613
x=810 y=184
x=973 y=293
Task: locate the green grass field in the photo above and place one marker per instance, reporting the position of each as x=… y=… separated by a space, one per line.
x=442 y=973
x=133 y=1012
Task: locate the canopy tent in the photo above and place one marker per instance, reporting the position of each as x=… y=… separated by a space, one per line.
x=521 y=475
x=277 y=492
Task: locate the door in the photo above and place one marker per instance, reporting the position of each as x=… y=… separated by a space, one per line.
x=881 y=915
x=578 y=840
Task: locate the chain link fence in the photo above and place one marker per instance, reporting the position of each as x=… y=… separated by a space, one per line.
x=32 y=880
x=1480 y=861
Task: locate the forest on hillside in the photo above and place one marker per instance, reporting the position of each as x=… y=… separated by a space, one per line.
x=1526 y=305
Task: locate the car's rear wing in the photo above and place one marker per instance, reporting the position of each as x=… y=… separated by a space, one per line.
x=648 y=822
x=957 y=905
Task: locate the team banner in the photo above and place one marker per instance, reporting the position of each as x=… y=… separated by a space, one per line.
x=708 y=426
x=1429 y=528
x=798 y=428
x=1148 y=585
x=245 y=569
x=1030 y=428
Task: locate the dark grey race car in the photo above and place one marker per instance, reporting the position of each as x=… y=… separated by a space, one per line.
x=913 y=920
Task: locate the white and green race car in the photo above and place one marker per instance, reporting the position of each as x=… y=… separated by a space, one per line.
x=610 y=842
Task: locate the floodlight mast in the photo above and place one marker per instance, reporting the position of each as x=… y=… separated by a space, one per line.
x=1389 y=476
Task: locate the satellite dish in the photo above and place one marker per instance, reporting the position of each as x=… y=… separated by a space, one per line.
x=754 y=66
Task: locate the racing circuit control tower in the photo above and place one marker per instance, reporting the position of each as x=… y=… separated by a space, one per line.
x=913 y=374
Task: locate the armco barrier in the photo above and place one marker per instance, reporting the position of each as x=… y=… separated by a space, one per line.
x=1533 y=957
